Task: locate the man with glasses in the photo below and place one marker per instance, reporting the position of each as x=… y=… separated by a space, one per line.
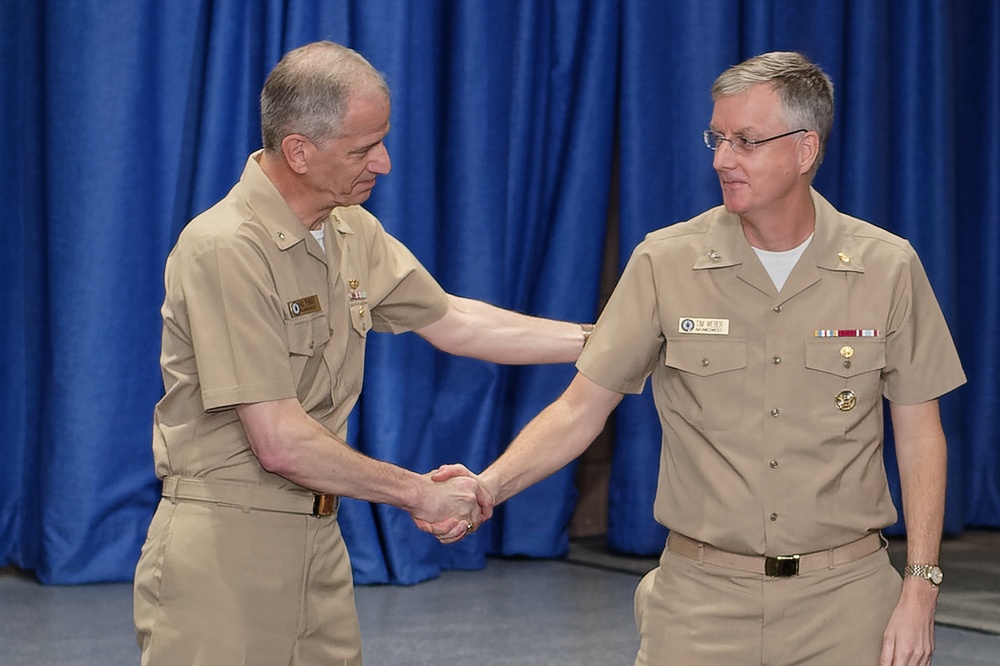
x=771 y=327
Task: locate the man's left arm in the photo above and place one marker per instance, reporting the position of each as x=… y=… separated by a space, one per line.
x=479 y=330
x=921 y=453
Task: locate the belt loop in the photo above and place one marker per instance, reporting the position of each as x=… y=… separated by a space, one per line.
x=831 y=563
x=701 y=553
x=248 y=502
x=170 y=484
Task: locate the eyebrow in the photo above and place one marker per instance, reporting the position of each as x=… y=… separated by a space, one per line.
x=365 y=149
x=741 y=131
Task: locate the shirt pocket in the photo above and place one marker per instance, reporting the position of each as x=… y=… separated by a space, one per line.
x=307 y=338
x=307 y=335
x=361 y=316
x=708 y=384
x=843 y=381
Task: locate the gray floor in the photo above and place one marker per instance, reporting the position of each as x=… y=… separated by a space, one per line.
x=515 y=612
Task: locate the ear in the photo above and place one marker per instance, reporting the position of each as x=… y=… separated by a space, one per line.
x=808 y=151
x=295 y=149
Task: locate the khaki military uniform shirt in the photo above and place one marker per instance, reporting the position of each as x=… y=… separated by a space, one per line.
x=772 y=426
x=255 y=310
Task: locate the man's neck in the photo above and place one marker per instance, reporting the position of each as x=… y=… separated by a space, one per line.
x=783 y=227
x=290 y=188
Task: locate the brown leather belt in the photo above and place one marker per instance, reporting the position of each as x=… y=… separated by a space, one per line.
x=780 y=566
x=249 y=496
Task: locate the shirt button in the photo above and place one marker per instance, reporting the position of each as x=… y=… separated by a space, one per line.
x=777 y=308
x=774 y=517
x=774 y=463
x=775 y=412
x=704 y=362
x=776 y=360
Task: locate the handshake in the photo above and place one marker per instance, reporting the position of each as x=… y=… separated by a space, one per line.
x=453 y=504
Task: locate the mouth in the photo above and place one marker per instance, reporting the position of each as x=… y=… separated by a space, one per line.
x=730 y=183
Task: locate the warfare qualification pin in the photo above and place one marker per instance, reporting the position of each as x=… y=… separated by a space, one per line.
x=846 y=400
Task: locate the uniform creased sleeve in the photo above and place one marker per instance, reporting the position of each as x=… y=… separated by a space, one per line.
x=237 y=331
x=921 y=360
x=625 y=345
x=407 y=296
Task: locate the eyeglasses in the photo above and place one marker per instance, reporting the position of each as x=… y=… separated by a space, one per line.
x=741 y=144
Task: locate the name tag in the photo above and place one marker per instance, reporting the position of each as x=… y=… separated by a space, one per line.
x=304 y=306
x=702 y=326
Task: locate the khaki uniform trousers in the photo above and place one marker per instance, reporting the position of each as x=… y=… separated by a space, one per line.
x=695 y=614
x=225 y=586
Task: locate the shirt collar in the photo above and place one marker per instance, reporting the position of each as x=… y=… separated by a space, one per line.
x=832 y=247
x=274 y=213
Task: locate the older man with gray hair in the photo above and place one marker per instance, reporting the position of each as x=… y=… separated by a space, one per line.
x=270 y=297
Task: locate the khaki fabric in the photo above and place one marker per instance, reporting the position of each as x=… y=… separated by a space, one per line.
x=256 y=310
x=693 y=614
x=756 y=456
x=223 y=586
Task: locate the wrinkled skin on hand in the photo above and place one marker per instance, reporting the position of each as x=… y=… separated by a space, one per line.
x=454 y=526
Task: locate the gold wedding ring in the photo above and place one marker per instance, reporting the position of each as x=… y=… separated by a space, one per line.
x=468 y=527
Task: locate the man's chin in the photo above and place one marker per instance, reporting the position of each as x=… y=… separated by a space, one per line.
x=358 y=196
x=735 y=200
x=364 y=190
x=732 y=205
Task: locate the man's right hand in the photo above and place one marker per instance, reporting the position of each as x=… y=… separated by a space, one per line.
x=456 y=526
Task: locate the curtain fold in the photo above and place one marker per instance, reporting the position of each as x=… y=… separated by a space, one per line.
x=502 y=146
x=124 y=119
x=22 y=271
x=975 y=300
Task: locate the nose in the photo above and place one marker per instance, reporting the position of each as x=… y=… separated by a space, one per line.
x=723 y=156
x=380 y=163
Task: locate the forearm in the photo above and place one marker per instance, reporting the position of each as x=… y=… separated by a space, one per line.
x=560 y=433
x=290 y=443
x=479 y=330
x=922 y=455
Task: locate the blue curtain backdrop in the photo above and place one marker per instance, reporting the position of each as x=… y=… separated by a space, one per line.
x=124 y=119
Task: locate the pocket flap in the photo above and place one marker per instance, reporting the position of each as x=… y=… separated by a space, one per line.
x=845 y=357
x=305 y=336
x=361 y=317
x=704 y=357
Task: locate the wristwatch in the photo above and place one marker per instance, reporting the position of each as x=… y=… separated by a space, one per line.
x=929 y=572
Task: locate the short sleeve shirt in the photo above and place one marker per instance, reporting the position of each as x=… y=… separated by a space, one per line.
x=255 y=310
x=771 y=402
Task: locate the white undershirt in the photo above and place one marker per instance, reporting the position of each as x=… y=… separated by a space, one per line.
x=780 y=264
x=318 y=235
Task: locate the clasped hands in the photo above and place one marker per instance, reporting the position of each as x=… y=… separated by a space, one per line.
x=456 y=504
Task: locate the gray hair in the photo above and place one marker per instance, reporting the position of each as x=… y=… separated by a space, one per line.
x=308 y=91
x=805 y=91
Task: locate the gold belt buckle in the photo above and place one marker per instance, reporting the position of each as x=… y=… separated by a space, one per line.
x=324 y=505
x=782 y=566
